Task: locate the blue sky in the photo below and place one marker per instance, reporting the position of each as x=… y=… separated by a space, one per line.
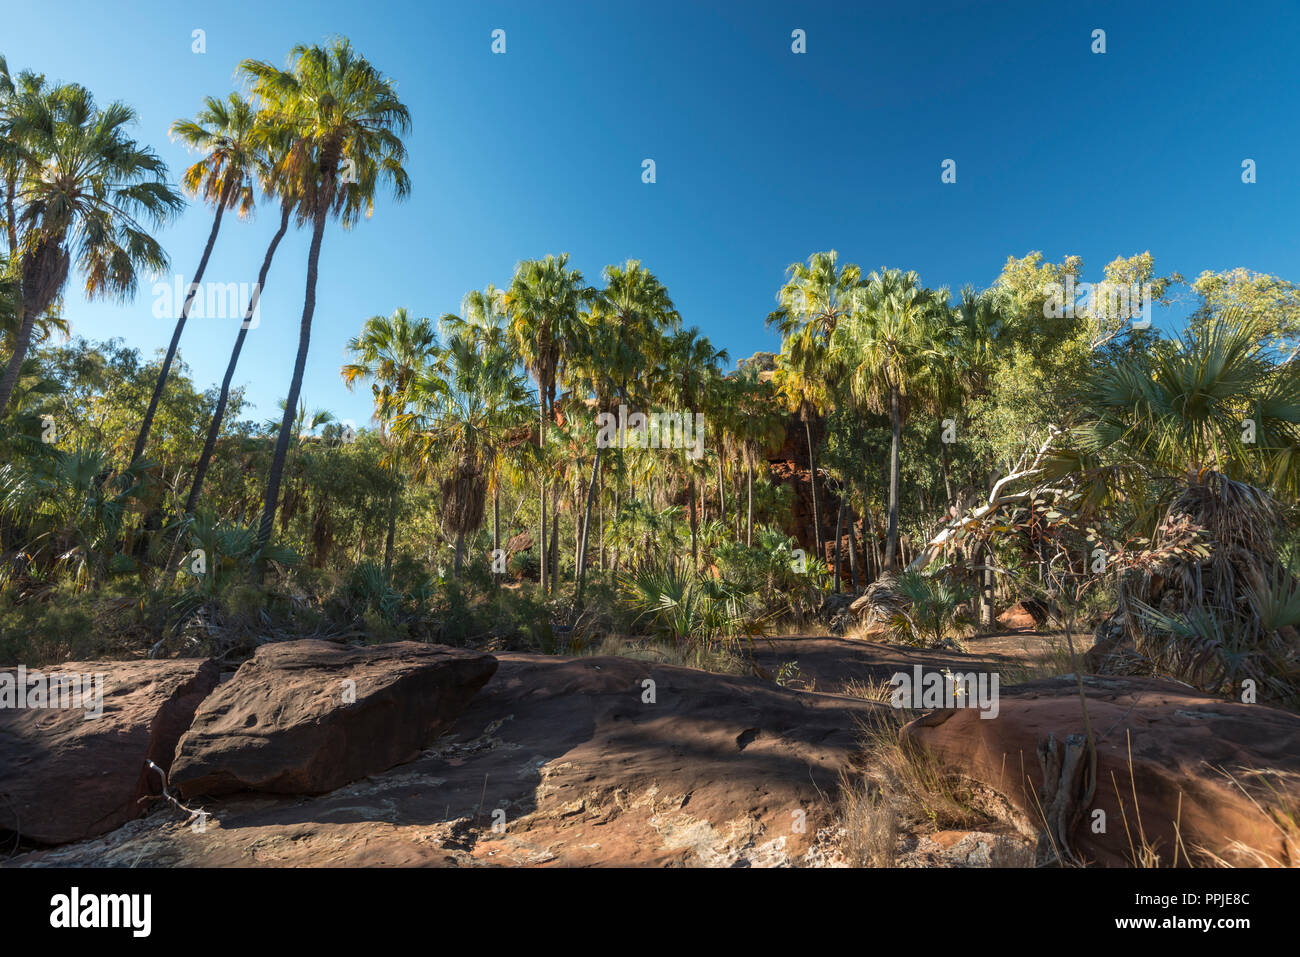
x=763 y=156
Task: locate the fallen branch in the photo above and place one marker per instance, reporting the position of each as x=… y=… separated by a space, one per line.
x=998 y=496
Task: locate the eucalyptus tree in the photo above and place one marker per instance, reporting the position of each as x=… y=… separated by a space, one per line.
x=343 y=123
x=87 y=192
x=224 y=133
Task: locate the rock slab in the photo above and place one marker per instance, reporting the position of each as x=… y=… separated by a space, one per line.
x=307 y=717
x=1215 y=780
x=65 y=777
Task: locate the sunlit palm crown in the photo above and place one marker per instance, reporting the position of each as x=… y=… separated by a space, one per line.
x=226 y=133
x=339 y=115
x=93 y=189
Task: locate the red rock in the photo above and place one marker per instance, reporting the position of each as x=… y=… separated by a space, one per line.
x=1179 y=739
x=64 y=777
x=1023 y=614
x=283 y=724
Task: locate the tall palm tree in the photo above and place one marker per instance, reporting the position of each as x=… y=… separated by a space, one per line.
x=484 y=321
x=463 y=409
x=690 y=363
x=224 y=132
x=344 y=124
x=893 y=348
x=391 y=352
x=85 y=186
x=816 y=297
x=270 y=146
x=544 y=301
x=760 y=426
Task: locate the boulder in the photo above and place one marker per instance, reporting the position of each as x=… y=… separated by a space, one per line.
x=1213 y=778
x=66 y=775
x=1023 y=614
x=306 y=717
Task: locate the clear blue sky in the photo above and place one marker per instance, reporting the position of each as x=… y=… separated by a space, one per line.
x=763 y=156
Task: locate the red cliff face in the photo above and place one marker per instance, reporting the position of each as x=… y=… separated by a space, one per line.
x=789 y=466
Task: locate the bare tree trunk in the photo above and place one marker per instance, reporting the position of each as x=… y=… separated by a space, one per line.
x=695 y=552
x=895 y=422
x=853 y=556
x=586 y=525
x=749 y=507
x=142 y=439
x=267 y=523
x=541 y=521
x=839 y=530
x=496 y=530
x=223 y=399
x=812 y=483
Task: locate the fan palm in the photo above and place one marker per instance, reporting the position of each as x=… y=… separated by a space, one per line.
x=544 y=302
x=84 y=188
x=224 y=132
x=893 y=349
x=816 y=297
x=391 y=352
x=343 y=124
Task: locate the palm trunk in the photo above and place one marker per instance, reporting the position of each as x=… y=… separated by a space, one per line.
x=11 y=212
x=839 y=531
x=267 y=523
x=460 y=551
x=541 y=522
x=496 y=529
x=722 y=488
x=49 y=263
x=21 y=343
x=895 y=422
x=812 y=484
x=695 y=552
x=586 y=525
x=142 y=439
x=554 y=553
x=219 y=413
x=393 y=498
x=749 y=505
x=853 y=557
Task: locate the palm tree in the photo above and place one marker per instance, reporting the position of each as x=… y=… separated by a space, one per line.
x=690 y=363
x=464 y=407
x=391 y=352
x=759 y=426
x=622 y=322
x=544 y=301
x=1204 y=438
x=224 y=131
x=270 y=146
x=85 y=185
x=816 y=297
x=344 y=123
x=893 y=348
x=484 y=321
